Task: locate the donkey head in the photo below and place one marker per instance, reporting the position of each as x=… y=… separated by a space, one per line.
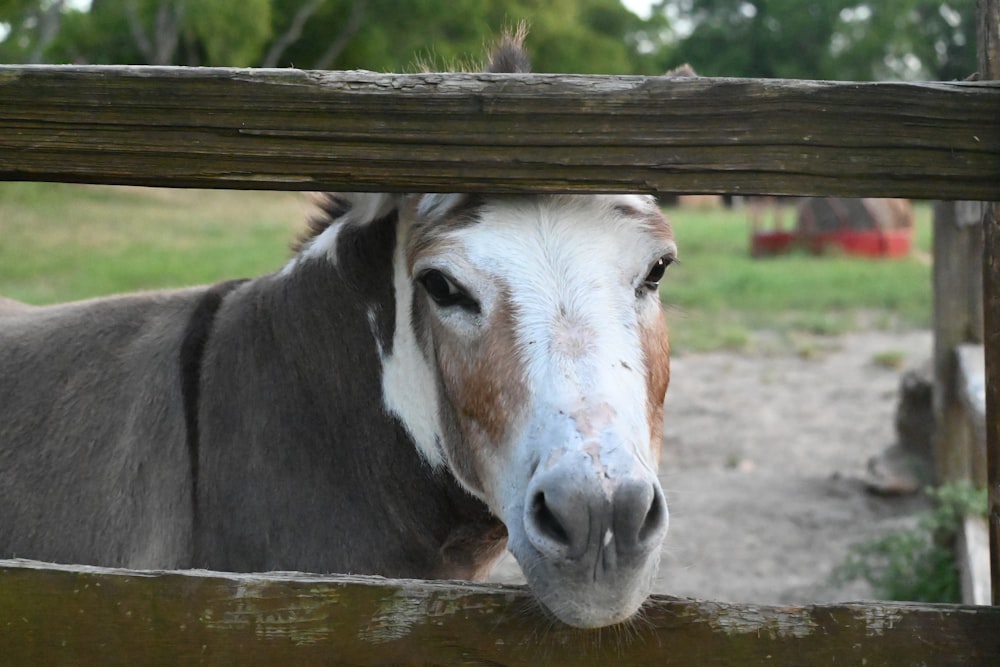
x=528 y=356
x=536 y=326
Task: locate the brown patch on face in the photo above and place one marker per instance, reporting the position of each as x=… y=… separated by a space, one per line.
x=656 y=354
x=485 y=387
x=658 y=225
x=489 y=379
x=652 y=220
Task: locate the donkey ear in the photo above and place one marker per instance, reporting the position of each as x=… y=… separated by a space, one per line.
x=442 y=205
x=364 y=207
x=508 y=55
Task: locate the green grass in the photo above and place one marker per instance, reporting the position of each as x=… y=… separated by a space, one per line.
x=718 y=296
x=917 y=564
x=60 y=242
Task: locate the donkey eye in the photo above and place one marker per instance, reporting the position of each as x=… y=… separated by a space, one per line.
x=652 y=279
x=445 y=292
x=438 y=285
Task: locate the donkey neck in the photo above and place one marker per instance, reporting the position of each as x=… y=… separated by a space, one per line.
x=303 y=467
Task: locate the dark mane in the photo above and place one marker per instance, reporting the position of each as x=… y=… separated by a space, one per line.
x=331 y=206
x=508 y=55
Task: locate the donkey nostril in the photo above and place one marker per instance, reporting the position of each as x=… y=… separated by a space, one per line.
x=654 y=519
x=547 y=522
x=640 y=515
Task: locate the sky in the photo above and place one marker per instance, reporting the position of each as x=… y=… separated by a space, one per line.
x=639 y=7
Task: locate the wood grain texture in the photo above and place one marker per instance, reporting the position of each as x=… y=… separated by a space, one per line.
x=988 y=45
x=307 y=130
x=80 y=615
x=958 y=298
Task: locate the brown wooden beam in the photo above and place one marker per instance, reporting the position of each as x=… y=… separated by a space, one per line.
x=988 y=36
x=958 y=318
x=79 y=615
x=292 y=129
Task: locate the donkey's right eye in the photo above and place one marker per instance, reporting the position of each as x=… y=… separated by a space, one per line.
x=445 y=292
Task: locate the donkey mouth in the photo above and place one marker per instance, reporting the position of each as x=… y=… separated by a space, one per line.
x=584 y=595
x=589 y=546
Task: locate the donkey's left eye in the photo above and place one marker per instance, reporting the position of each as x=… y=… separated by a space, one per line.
x=445 y=292
x=652 y=279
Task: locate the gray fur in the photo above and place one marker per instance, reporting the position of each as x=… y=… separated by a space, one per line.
x=299 y=466
x=92 y=461
x=11 y=307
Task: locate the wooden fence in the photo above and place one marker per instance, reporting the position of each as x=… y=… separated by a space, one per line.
x=81 y=616
x=289 y=129
x=296 y=130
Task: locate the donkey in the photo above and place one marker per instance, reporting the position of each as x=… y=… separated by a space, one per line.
x=9 y=306
x=430 y=379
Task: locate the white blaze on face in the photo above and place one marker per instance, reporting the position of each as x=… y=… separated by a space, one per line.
x=409 y=386
x=554 y=351
x=570 y=268
x=543 y=322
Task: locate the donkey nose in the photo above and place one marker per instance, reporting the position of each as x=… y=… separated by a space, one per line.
x=566 y=521
x=640 y=516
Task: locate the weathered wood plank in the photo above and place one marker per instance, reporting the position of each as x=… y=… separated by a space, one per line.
x=292 y=129
x=973 y=547
x=80 y=615
x=973 y=551
x=971 y=384
x=958 y=295
x=988 y=47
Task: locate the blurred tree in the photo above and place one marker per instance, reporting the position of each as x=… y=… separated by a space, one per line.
x=907 y=39
x=32 y=27
x=565 y=35
x=293 y=20
x=828 y=39
x=756 y=38
x=598 y=36
x=832 y=39
x=155 y=32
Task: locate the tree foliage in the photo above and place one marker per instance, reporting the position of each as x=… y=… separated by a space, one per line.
x=831 y=39
x=910 y=38
x=566 y=35
x=827 y=39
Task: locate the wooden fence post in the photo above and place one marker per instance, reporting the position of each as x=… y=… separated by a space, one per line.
x=988 y=39
x=958 y=319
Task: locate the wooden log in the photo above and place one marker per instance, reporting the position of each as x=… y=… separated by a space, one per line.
x=958 y=295
x=83 y=615
x=307 y=130
x=988 y=37
x=991 y=270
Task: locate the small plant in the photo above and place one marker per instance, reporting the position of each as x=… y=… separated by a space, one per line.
x=917 y=564
x=891 y=359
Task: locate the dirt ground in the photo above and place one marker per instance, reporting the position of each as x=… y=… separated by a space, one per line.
x=763 y=464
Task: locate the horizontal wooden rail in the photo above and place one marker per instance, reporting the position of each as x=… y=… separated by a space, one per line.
x=81 y=615
x=293 y=129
